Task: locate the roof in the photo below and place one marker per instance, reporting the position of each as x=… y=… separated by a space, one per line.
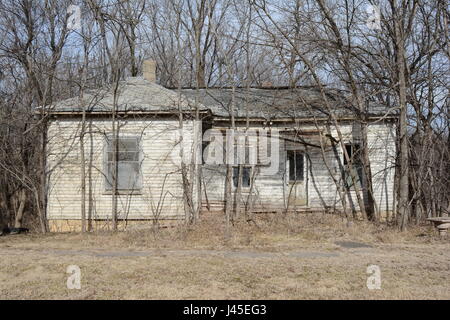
x=277 y=103
x=133 y=94
x=138 y=94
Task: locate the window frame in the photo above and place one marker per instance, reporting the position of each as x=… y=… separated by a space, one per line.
x=295 y=154
x=108 y=185
x=235 y=176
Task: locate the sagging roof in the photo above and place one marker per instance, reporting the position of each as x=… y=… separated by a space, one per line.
x=138 y=94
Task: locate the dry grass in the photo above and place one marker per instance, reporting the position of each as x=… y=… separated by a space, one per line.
x=293 y=258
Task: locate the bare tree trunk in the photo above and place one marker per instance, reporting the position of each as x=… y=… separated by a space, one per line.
x=43 y=186
x=115 y=147
x=83 y=174
x=19 y=214
x=367 y=176
x=90 y=195
x=403 y=198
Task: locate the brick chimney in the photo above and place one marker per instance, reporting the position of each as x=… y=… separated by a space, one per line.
x=149 y=70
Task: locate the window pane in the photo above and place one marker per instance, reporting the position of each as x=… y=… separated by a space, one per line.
x=128 y=166
x=128 y=144
x=124 y=144
x=128 y=175
x=124 y=156
x=296 y=165
x=109 y=176
x=299 y=166
x=359 y=170
x=235 y=176
x=291 y=158
x=246 y=177
x=349 y=149
x=128 y=156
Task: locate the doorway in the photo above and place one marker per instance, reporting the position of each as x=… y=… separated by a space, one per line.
x=296 y=173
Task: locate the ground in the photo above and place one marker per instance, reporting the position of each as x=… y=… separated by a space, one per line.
x=299 y=257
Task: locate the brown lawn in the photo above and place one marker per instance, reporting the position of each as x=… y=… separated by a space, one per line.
x=301 y=257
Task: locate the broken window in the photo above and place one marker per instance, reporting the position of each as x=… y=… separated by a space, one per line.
x=128 y=163
x=296 y=165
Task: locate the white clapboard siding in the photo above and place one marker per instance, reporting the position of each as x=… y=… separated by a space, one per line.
x=271 y=191
x=162 y=178
x=160 y=165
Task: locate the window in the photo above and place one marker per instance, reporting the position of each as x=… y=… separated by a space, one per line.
x=296 y=165
x=128 y=164
x=245 y=149
x=246 y=176
x=354 y=167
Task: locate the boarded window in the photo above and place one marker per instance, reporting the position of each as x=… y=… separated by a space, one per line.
x=296 y=165
x=353 y=167
x=246 y=176
x=128 y=164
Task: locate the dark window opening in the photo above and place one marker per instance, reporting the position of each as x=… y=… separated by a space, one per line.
x=246 y=176
x=296 y=165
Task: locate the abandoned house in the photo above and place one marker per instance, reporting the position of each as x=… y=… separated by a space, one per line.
x=297 y=163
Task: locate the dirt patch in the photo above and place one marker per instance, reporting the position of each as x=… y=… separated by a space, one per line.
x=100 y=253
x=352 y=244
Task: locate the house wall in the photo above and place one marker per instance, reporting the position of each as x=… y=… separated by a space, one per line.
x=162 y=177
x=161 y=194
x=271 y=190
x=382 y=150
